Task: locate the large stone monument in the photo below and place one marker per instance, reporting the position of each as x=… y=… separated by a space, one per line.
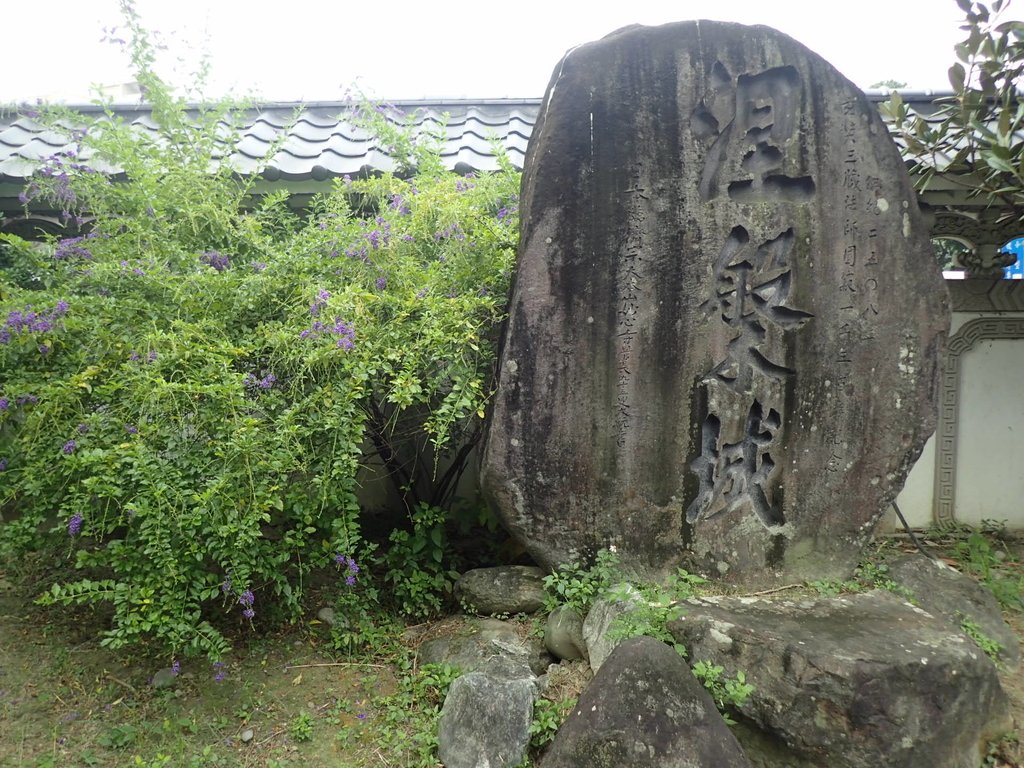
x=726 y=321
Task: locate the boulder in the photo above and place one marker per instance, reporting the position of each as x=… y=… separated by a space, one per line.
x=482 y=642
x=563 y=634
x=726 y=320
x=953 y=596
x=504 y=589
x=597 y=635
x=859 y=681
x=485 y=722
x=644 y=709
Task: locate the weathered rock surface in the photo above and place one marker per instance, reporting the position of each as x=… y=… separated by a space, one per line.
x=597 y=635
x=726 y=314
x=948 y=594
x=852 y=682
x=508 y=589
x=485 y=722
x=644 y=709
x=488 y=645
x=563 y=634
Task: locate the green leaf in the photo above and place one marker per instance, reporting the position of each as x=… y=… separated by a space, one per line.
x=957 y=76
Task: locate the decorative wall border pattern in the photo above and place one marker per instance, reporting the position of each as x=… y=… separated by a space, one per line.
x=971 y=333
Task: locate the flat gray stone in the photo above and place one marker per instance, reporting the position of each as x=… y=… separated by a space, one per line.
x=503 y=589
x=485 y=722
x=484 y=641
x=858 y=681
x=644 y=709
x=597 y=627
x=953 y=596
x=563 y=634
x=726 y=322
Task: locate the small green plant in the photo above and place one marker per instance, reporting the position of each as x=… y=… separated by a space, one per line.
x=415 y=563
x=867 y=575
x=729 y=693
x=993 y=567
x=1005 y=752
x=877 y=576
x=120 y=736
x=579 y=586
x=409 y=716
x=548 y=716
x=973 y=630
x=301 y=727
x=651 y=608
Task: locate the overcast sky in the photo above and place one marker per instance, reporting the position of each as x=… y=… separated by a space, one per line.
x=316 y=49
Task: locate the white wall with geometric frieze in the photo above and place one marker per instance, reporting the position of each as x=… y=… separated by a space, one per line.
x=972 y=470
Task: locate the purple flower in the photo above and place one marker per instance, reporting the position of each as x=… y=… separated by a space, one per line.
x=225 y=587
x=27 y=399
x=381 y=283
x=218 y=672
x=399 y=205
x=134 y=357
x=44 y=349
x=4 y=404
x=175 y=667
x=321 y=301
x=61 y=309
x=83 y=428
x=247 y=598
x=152 y=356
x=350 y=565
x=248 y=613
x=75 y=524
x=131 y=429
x=138 y=271
x=267 y=381
x=69 y=447
x=258 y=266
x=216 y=260
x=74 y=247
x=3 y=464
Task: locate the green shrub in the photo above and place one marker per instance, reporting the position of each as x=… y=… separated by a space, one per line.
x=189 y=388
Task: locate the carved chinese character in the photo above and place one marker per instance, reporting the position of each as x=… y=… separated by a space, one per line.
x=752 y=284
x=739 y=473
x=755 y=125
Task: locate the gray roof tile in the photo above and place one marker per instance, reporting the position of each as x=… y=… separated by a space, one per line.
x=317 y=141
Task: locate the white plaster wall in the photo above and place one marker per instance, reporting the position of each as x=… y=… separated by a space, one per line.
x=990 y=440
x=990 y=484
